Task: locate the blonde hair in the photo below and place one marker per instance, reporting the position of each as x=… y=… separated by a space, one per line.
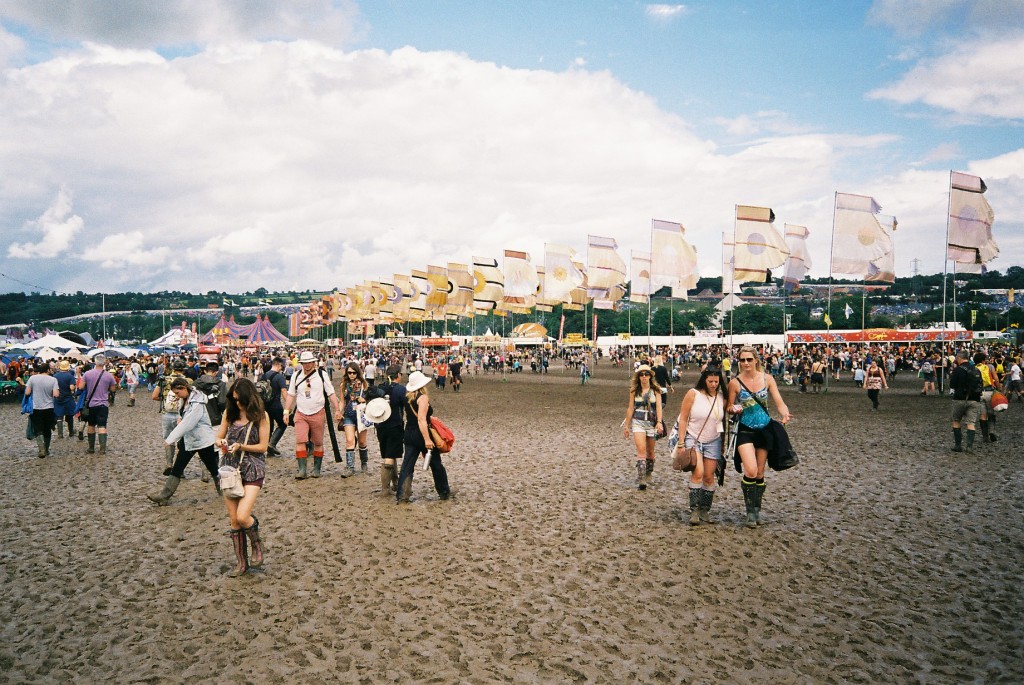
x=757 y=358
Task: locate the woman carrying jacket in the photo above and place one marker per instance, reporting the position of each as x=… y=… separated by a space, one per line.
x=194 y=426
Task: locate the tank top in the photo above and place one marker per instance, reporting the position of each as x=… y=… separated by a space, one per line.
x=413 y=436
x=703 y=406
x=754 y=415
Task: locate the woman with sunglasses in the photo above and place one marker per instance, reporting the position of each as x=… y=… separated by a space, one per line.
x=354 y=388
x=243 y=437
x=700 y=417
x=643 y=421
x=748 y=393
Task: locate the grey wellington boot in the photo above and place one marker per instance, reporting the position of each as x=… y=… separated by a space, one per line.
x=301 y=473
x=165 y=495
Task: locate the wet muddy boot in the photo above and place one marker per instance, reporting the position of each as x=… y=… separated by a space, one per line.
x=969 y=442
x=317 y=463
x=350 y=462
x=650 y=469
x=165 y=495
x=168 y=458
x=81 y=432
x=387 y=472
x=60 y=429
x=238 y=543
x=131 y=401
x=301 y=473
x=695 y=506
x=405 y=494
x=274 y=439
x=92 y=443
x=992 y=437
x=363 y=459
x=759 y=487
x=103 y=443
x=255 y=544
x=958 y=437
x=748 y=488
x=707 y=497
x=41 y=447
x=641 y=474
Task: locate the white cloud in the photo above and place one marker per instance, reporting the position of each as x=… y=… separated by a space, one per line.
x=979 y=79
x=665 y=12
x=765 y=122
x=915 y=17
x=127 y=23
x=128 y=249
x=297 y=165
x=56 y=228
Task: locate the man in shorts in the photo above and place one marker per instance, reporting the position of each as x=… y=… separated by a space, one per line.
x=967 y=386
x=99 y=386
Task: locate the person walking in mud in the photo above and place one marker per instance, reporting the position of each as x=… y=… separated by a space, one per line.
x=308 y=394
x=875 y=382
x=644 y=421
x=417 y=440
x=98 y=386
x=748 y=395
x=701 y=420
x=196 y=431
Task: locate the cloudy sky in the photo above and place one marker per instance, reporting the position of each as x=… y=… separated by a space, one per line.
x=237 y=144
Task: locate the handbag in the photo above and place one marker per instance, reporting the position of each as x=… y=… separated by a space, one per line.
x=230 y=477
x=685 y=459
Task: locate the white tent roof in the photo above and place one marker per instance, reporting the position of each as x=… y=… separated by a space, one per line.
x=54 y=341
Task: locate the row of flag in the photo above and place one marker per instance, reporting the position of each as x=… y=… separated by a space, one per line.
x=862 y=240
x=518 y=285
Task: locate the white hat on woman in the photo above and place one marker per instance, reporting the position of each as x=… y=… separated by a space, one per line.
x=417 y=379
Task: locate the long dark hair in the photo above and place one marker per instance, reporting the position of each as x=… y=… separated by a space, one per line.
x=359 y=383
x=248 y=398
x=702 y=382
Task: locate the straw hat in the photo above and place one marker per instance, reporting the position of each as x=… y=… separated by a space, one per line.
x=64 y=365
x=643 y=367
x=307 y=357
x=377 y=410
x=416 y=381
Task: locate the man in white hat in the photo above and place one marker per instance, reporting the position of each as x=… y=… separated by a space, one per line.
x=307 y=394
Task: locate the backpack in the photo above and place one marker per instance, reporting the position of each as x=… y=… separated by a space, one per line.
x=212 y=392
x=377 y=391
x=266 y=388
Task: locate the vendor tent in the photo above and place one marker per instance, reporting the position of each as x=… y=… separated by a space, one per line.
x=53 y=341
x=262 y=332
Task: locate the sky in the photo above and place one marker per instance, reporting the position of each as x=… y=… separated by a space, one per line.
x=229 y=145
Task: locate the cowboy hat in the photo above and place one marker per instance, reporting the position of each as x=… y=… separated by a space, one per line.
x=307 y=357
x=643 y=367
x=416 y=381
x=377 y=410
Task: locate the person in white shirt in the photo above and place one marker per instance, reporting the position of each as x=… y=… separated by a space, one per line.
x=370 y=370
x=306 y=398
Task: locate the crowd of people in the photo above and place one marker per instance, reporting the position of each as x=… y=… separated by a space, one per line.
x=233 y=411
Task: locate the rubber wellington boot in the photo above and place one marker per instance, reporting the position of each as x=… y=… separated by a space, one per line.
x=301 y=474
x=255 y=544
x=41 y=447
x=238 y=543
x=707 y=497
x=641 y=474
x=386 y=472
x=60 y=428
x=103 y=443
x=165 y=495
x=363 y=459
x=695 y=506
x=92 y=444
x=406 y=492
x=758 y=496
x=317 y=463
x=748 y=488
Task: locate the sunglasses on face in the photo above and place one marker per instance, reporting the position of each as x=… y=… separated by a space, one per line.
x=746 y=359
x=644 y=373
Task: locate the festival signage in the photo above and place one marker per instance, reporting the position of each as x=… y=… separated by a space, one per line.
x=437 y=342
x=877 y=335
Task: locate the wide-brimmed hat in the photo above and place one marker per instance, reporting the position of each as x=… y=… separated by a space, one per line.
x=417 y=379
x=307 y=357
x=64 y=365
x=377 y=410
x=643 y=367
